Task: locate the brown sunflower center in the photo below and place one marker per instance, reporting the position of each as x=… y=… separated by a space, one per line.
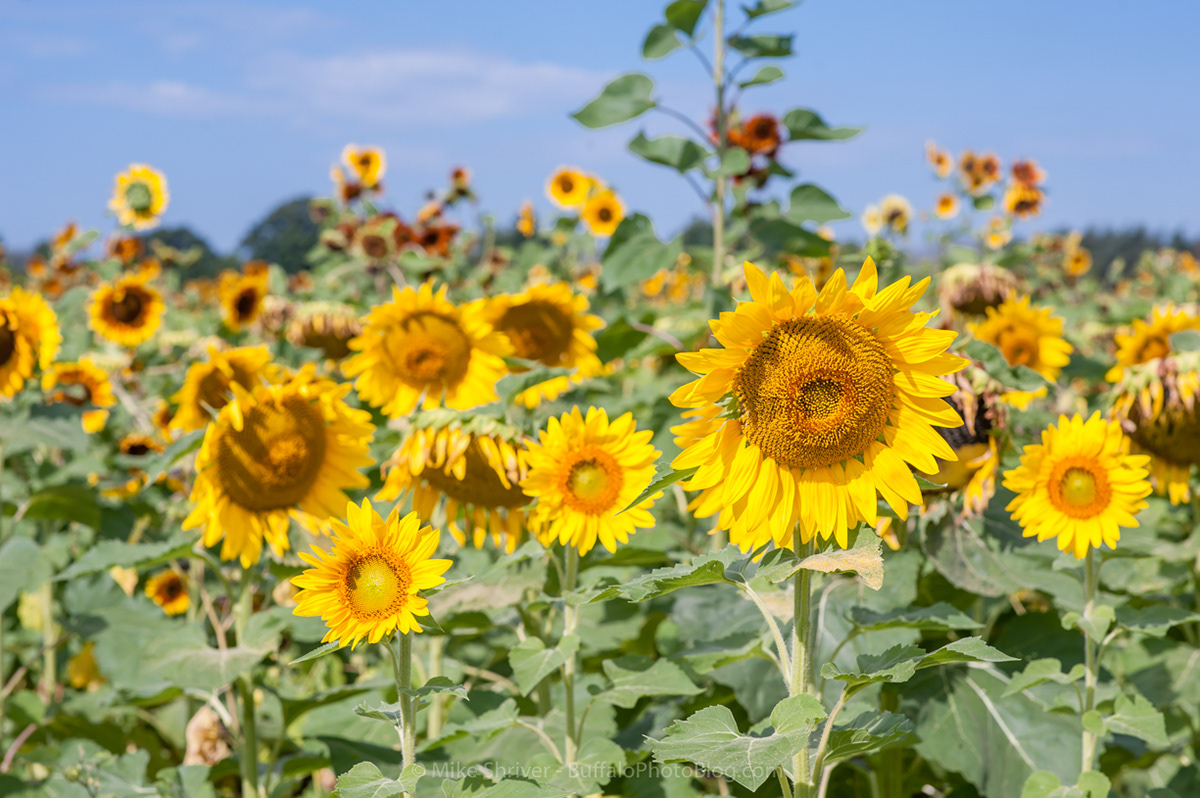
x=566 y=184
x=1020 y=347
x=1079 y=487
x=605 y=214
x=139 y=197
x=273 y=461
x=128 y=309
x=246 y=302
x=375 y=245
x=591 y=481
x=430 y=350
x=480 y=486
x=376 y=585
x=816 y=391
x=172 y=589
x=538 y=330
x=8 y=341
x=1173 y=435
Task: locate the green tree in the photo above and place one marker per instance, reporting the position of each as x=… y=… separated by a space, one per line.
x=285 y=236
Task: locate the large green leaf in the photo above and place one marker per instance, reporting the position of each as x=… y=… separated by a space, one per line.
x=900 y=663
x=621 y=100
x=22 y=567
x=811 y=203
x=634 y=253
x=782 y=235
x=1021 y=378
x=869 y=732
x=70 y=502
x=677 y=152
x=936 y=618
x=1153 y=620
x=637 y=677
x=661 y=40
x=531 y=661
x=365 y=780
x=802 y=124
x=708 y=569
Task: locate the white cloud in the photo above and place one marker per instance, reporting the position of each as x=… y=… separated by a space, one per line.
x=160 y=97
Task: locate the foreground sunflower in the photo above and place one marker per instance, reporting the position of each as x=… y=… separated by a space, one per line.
x=139 y=197
x=1080 y=485
x=273 y=453
x=29 y=338
x=420 y=348
x=1027 y=335
x=242 y=297
x=79 y=384
x=128 y=310
x=476 y=467
x=169 y=591
x=369 y=585
x=569 y=187
x=206 y=387
x=828 y=400
x=585 y=472
x=602 y=213
x=1146 y=341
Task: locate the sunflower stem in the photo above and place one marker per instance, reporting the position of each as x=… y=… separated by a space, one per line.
x=570 y=624
x=437 y=704
x=408 y=716
x=50 y=645
x=801 y=681
x=245 y=686
x=1091 y=661
x=718 y=208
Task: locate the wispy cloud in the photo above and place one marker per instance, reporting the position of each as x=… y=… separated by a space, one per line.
x=159 y=97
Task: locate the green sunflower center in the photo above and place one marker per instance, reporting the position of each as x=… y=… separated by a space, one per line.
x=376 y=585
x=1079 y=487
x=139 y=197
x=592 y=481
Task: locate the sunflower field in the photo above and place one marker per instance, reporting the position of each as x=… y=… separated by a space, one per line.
x=562 y=508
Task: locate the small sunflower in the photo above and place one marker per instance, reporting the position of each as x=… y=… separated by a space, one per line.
x=829 y=398
x=757 y=135
x=1028 y=173
x=369 y=585
x=135 y=444
x=420 y=348
x=1078 y=262
x=550 y=325
x=1027 y=335
x=206 y=387
x=872 y=220
x=169 y=590
x=526 y=221
x=1023 y=201
x=82 y=671
x=970 y=172
x=585 y=472
x=1146 y=341
x=139 y=197
x=896 y=212
x=273 y=453
x=1080 y=485
x=602 y=213
x=29 y=338
x=328 y=326
x=369 y=163
x=939 y=159
x=127 y=311
x=126 y=249
x=569 y=187
x=476 y=467
x=976 y=443
x=946 y=207
x=1158 y=405
x=79 y=384
x=998 y=233
x=242 y=297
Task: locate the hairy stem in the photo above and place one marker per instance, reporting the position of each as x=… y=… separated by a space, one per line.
x=437 y=706
x=570 y=624
x=408 y=716
x=1091 y=661
x=801 y=681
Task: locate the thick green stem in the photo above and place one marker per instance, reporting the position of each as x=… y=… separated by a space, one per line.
x=50 y=644
x=408 y=715
x=1091 y=661
x=891 y=772
x=570 y=625
x=245 y=684
x=437 y=704
x=801 y=681
x=718 y=211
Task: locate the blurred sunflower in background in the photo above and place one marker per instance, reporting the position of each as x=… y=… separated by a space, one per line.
x=1027 y=172
x=169 y=590
x=946 y=206
x=1145 y=341
x=29 y=338
x=758 y=135
x=602 y=213
x=1027 y=335
x=139 y=197
x=897 y=212
x=127 y=311
x=939 y=159
x=976 y=443
x=81 y=383
x=277 y=452
x=206 y=386
x=328 y=326
x=1078 y=262
x=369 y=163
x=1023 y=201
x=569 y=187
x=526 y=222
x=242 y=296
x=967 y=290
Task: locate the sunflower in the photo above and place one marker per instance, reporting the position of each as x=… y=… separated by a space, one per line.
x=896 y=212
x=872 y=220
x=82 y=671
x=970 y=172
x=328 y=326
x=139 y=197
x=1080 y=484
x=585 y=473
x=946 y=206
x=976 y=443
x=79 y=384
x=135 y=444
x=757 y=135
x=569 y=187
x=274 y=452
x=939 y=159
x=169 y=590
x=207 y=385
x=1023 y=201
x=477 y=467
x=602 y=213
x=969 y=289
x=550 y=325
x=1147 y=341
x=29 y=338
x=420 y=349
x=998 y=233
x=126 y=249
x=369 y=163
x=242 y=297
x=128 y=310
x=1027 y=336
x=1078 y=262
x=526 y=222
x=1028 y=173
x=830 y=397
x=989 y=167
x=369 y=585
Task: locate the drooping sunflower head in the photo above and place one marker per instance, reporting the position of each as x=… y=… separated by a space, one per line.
x=967 y=290
x=526 y=221
x=273 y=453
x=369 y=584
x=207 y=386
x=422 y=349
x=1145 y=341
x=602 y=213
x=569 y=187
x=896 y=212
x=169 y=590
x=584 y=472
x=328 y=326
x=1023 y=200
x=139 y=197
x=128 y=310
x=242 y=297
x=1079 y=485
x=976 y=443
x=946 y=206
x=829 y=397
x=939 y=159
x=369 y=163
x=1028 y=335
x=550 y=325
x=476 y=466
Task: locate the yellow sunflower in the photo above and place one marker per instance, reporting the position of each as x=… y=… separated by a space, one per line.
x=1078 y=262
x=369 y=163
x=169 y=590
x=79 y=384
x=602 y=213
x=828 y=399
x=128 y=310
x=967 y=290
x=946 y=206
x=939 y=159
x=420 y=348
x=526 y=221
x=1151 y=340
x=550 y=325
x=896 y=212
x=569 y=187
x=328 y=326
x=29 y=338
x=139 y=197
x=369 y=585
x=1080 y=485
x=274 y=452
x=207 y=385
x=1023 y=201
x=1028 y=335
x=584 y=472
x=242 y=297
x=477 y=467
x=975 y=443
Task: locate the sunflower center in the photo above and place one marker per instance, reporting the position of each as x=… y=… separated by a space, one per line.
x=538 y=331
x=214 y=386
x=128 y=308
x=271 y=463
x=1173 y=435
x=431 y=350
x=566 y=185
x=172 y=589
x=592 y=481
x=816 y=391
x=1079 y=487
x=375 y=246
x=376 y=585
x=8 y=343
x=139 y=197
x=480 y=485
x=1019 y=347
x=1154 y=348
x=244 y=306
x=604 y=214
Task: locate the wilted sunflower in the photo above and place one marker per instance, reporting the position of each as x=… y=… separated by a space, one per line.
x=569 y=187
x=29 y=338
x=273 y=453
x=585 y=472
x=477 y=467
x=1078 y=262
x=242 y=297
x=1023 y=201
x=1080 y=485
x=420 y=349
x=328 y=326
x=939 y=159
x=602 y=213
x=969 y=289
x=946 y=206
x=550 y=325
x=169 y=590
x=369 y=163
x=811 y=383
x=139 y=197
x=79 y=384
x=1151 y=340
x=206 y=387
x=369 y=585
x=975 y=443
x=757 y=135
x=1028 y=172
x=526 y=222
x=128 y=310
x=1158 y=405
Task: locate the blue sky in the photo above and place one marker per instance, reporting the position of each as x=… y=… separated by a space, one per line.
x=245 y=104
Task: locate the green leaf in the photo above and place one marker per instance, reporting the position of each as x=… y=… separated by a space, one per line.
x=634 y=253
x=677 y=152
x=623 y=99
x=365 y=780
x=864 y=558
x=70 y=502
x=1154 y=620
x=319 y=651
x=1021 y=378
x=660 y=484
x=764 y=7
x=22 y=434
x=1185 y=341
x=598 y=760
x=810 y=203
x=734 y=162
x=531 y=661
x=1041 y=671
x=661 y=40
x=708 y=569
x=710 y=738
x=869 y=732
x=22 y=567
x=637 y=677
x=784 y=236
x=764 y=75
x=1044 y=784
x=684 y=14
x=510 y=386
x=390 y=712
x=936 y=618
x=107 y=553
x=159 y=464
x=1096 y=624
x=897 y=664
x=762 y=46
x=984 y=203
x=968 y=649
x=1137 y=717
x=805 y=124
